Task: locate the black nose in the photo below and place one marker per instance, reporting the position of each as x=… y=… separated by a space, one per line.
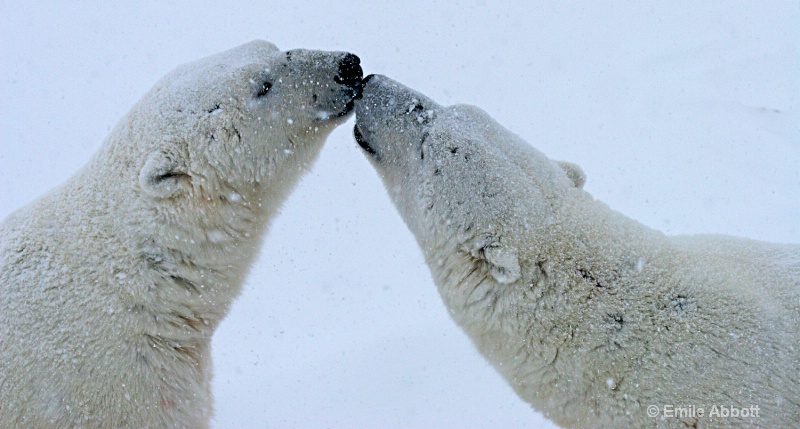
x=350 y=72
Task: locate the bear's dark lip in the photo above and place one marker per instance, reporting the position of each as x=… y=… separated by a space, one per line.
x=347 y=108
x=355 y=94
x=363 y=142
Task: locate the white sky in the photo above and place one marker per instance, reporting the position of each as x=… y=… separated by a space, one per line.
x=684 y=115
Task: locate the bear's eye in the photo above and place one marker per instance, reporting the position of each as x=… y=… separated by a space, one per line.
x=264 y=89
x=422 y=115
x=415 y=108
x=422 y=144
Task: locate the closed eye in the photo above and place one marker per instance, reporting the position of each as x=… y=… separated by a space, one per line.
x=422 y=144
x=263 y=89
x=169 y=175
x=416 y=108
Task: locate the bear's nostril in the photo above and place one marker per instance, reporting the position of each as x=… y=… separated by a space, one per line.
x=350 y=72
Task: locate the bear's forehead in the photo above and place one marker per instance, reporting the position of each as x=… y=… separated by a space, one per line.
x=224 y=70
x=198 y=84
x=216 y=73
x=257 y=52
x=481 y=156
x=471 y=128
x=458 y=133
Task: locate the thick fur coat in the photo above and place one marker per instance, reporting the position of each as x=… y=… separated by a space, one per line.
x=592 y=317
x=112 y=285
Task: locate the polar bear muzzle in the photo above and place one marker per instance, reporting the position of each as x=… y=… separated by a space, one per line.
x=411 y=115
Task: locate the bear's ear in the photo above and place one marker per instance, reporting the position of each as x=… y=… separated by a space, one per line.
x=502 y=261
x=162 y=176
x=574 y=172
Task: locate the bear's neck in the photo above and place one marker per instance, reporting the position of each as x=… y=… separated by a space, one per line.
x=206 y=258
x=185 y=259
x=571 y=272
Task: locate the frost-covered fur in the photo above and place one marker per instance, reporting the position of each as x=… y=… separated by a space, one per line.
x=112 y=285
x=589 y=315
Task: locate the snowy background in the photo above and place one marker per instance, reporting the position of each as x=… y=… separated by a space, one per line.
x=685 y=115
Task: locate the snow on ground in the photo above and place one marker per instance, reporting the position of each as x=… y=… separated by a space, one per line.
x=685 y=116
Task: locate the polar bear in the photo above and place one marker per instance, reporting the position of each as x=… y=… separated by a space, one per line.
x=596 y=320
x=112 y=285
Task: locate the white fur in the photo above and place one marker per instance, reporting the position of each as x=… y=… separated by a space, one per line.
x=589 y=315
x=112 y=284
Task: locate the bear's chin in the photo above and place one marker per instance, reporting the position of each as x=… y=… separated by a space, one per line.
x=327 y=116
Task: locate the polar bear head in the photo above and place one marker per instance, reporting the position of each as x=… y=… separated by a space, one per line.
x=147 y=246
x=243 y=122
x=470 y=191
x=203 y=162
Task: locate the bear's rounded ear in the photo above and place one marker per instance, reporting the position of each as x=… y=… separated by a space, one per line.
x=502 y=261
x=574 y=172
x=162 y=176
